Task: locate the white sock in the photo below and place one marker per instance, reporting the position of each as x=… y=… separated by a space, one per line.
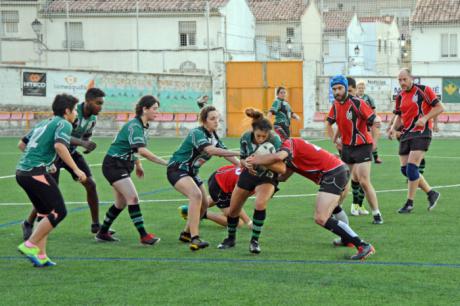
x=375 y=212
x=342 y=216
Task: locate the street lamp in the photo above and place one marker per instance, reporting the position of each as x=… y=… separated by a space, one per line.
x=39 y=46
x=289 y=46
x=356 y=50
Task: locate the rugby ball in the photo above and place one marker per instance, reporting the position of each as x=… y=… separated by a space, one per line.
x=264 y=149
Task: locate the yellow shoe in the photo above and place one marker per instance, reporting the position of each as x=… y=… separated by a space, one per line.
x=354 y=211
x=362 y=210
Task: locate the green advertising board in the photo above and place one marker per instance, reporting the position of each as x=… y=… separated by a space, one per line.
x=451 y=90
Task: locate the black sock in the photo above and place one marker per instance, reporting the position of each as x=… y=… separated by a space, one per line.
x=137 y=218
x=232 y=223
x=257 y=223
x=430 y=192
x=410 y=202
x=343 y=231
x=360 y=196
x=110 y=216
x=421 y=167
x=375 y=154
x=355 y=190
x=337 y=210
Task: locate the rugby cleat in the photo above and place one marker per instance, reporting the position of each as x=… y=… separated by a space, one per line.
x=197 y=244
x=254 y=246
x=185 y=237
x=227 y=244
x=150 y=239
x=433 y=198
x=105 y=237
x=364 y=251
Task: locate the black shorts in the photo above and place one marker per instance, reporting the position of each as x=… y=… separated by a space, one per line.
x=356 y=154
x=249 y=182
x=43 y=192
x=414 y=144
x=115 y=169
x=335 y=180
x=79 y=161
x=282 y=130
x=219 y=197
x=174 y=174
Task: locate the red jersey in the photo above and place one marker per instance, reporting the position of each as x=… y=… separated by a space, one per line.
x=227 y=177
x=412 y=105
x=308 y=159
x=353 y=116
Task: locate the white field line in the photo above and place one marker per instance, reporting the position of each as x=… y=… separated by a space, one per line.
x=94 y=165
x=304 y=195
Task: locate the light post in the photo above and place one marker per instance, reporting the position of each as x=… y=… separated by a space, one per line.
x=39 y=46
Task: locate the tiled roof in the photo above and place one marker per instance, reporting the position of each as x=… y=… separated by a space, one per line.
x=337 y=21
x=111 y=6
x=436 y=12
x=273 y=10
x=370 y=19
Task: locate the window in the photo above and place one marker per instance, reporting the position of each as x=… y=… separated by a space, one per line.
x=187 y=33
x=10 y=20
x=449 y=45
x=73 y=35
x=380 y=45
x=290 y=32
x=385 y=46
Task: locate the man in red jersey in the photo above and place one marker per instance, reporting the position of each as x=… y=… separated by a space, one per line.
x=415 y=106
x=330 y=173
x=220 y=185
x=354 y=117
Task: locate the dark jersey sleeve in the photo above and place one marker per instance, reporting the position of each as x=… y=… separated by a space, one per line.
x=332 y=116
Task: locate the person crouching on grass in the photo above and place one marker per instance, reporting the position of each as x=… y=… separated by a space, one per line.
x=330 y=173
x=118 y=164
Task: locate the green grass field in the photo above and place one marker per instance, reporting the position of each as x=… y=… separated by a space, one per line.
x=417 y=260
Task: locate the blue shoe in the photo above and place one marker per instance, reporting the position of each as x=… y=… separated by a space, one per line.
x=46 y=263
x=31 y=254
x=183 y=211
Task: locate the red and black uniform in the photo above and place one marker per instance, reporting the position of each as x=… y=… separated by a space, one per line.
x=353 y=117
x=316 y=164
x=221 y=184
x=410 y=106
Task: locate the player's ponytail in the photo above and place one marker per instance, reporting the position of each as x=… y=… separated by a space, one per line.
x=259 y=122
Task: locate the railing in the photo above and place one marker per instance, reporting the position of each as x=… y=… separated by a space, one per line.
x=122 y=117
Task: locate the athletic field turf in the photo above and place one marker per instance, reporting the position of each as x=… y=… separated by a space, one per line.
x=417 y=260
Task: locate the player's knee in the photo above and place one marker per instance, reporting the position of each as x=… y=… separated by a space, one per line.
x=404 y=170
x=196 y=197
x=90 y=184
x=57 y=215
x=413 y=173
x=321 y=220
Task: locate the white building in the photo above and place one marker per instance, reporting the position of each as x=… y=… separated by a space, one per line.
x=287 y=29
x=18 y=41
x=435 y=37
x=382 y=46
x=342 y=43
x=157 y=36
